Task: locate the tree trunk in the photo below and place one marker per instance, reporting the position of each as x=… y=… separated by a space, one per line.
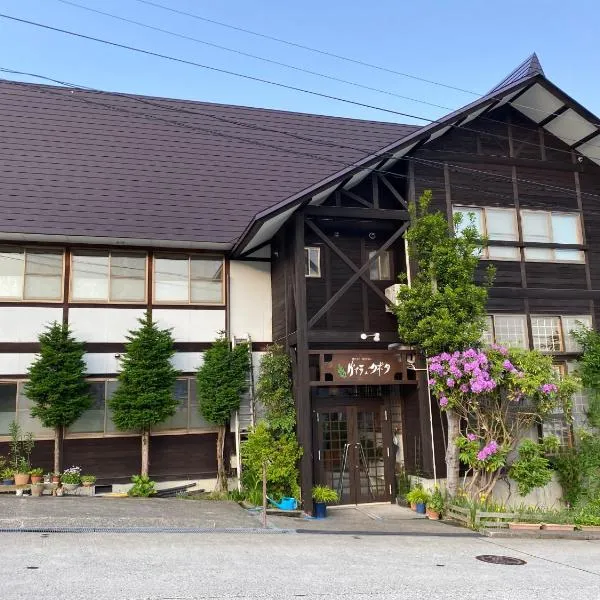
x=452 y=452
x=145 y=452
x=58 y=442
x=221 y=471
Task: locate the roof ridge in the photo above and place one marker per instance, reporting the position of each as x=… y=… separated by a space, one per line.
x=530 y=67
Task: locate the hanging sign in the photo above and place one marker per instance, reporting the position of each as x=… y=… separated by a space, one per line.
x=364 y=367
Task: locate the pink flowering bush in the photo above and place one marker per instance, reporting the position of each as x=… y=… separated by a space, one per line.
x=497 y=393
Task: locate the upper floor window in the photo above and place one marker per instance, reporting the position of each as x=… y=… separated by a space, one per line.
x=312 y=261
x=381 y=267
x=553 y=333
x=31 y=274
x=551 y=228
x=497 y=224
x=188 y=279
x=108 y=276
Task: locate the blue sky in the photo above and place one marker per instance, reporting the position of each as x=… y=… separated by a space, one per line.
x=468 y=44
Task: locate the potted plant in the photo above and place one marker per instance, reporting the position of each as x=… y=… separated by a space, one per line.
x=37 y=489
x=71 y=478
x=435 y=505
x=36 y=474
x=8 y=476
x=55 y=477
x=22 y=472
x=88 y=480
x=418 y=497
x=322 y=496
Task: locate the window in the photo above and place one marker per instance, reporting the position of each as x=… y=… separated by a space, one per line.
x=312 y=261
x=497 y=224
x=553 y=333
x=28 y=274
x=381 y=268
x=507 y=330
x=185 y=279
x=108 y=276
x=551 y=228
x=8 y=406
x=188 y=416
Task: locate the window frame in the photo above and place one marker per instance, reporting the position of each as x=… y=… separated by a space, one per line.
x=390 y=257
x=308 y=249
x=547 y=246
x=522 y=316
x=189 y=255
x=485 y=254
x=108 y=300
x=39 y=249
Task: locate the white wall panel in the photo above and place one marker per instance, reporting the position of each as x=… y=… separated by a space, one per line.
x=101 y=363
x=103 y=324
x=250 y=300
x=187 y=362
x=24 y=324
x=191 y=325
x=15 y=364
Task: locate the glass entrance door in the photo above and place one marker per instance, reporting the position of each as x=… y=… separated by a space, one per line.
x=353 y=450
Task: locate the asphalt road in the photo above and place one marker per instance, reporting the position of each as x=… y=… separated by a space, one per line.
x=264 y=566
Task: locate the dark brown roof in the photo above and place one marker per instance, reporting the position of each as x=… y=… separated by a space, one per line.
x=528 y=68
x=84 y=163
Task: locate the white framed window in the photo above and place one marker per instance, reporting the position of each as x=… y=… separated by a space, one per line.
x=487 y=337
x=552 y=228
x=188 y=279
x=511 y=330
x=381 y=268
x=312 y=261
x=571 y=323
x=31 y=274
x=546 y=332
x=108 y=276
x=497 y=224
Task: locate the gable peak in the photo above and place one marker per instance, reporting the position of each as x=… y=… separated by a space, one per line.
x=530 y=67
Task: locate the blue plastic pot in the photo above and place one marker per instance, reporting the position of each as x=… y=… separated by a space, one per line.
x=421 y=508
x=320 y=510
x=8 y=482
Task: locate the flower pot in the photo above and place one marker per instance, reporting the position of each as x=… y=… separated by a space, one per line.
x=36 y=478
x=87 y=483
x=433 y=515
x=524 y=526
x=55 y=478
x=421 y=508
x=558 y=527
x=320 y=510
x=37 y=489
x=8 y=482
x=413 y=506
x=21 y=478
x=70 y=487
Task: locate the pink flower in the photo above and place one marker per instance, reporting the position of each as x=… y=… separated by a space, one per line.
x=471 y=437
x=443 y=401
x=431 y=382
x=450 y=382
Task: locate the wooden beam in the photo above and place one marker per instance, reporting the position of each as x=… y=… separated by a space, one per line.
x=551 y=117
x=347 y=260
x=533 y=163
x=357 y=198
x=374 y=214
x=393 y=190
x=587 y=138
x=356 y=276
x=302 y=383
x=375 y=189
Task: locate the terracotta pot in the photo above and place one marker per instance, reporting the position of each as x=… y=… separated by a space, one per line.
x=558 y=527
x=55 y=478
x=21 y=478
x=524 y=526
x=37 y=489
x=413 y=506
x=433 y=515
x=37 y=478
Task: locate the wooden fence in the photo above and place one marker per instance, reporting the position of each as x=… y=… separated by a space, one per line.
x=478 y=518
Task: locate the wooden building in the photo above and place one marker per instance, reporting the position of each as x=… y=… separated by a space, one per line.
x=285 y=228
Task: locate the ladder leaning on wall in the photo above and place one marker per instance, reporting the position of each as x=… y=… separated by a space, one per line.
x=245 y=416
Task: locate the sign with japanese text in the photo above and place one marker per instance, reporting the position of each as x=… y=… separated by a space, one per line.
x=361 y=367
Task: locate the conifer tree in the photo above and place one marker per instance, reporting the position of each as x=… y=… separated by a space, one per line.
x=57 y=385
x=221 y=382
x=145 y=395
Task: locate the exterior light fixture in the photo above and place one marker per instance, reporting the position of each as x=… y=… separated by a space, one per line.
x=366 y=336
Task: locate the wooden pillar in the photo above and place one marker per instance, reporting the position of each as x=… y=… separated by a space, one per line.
x=424 y=420
x=302 y=382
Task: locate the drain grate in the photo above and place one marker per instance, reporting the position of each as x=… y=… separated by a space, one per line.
x=497 y=559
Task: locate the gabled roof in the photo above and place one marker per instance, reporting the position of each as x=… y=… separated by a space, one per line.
x=528 y=68
x=526 y=89
x=79 y=165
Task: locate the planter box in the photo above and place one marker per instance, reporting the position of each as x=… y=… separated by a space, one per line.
x=558 y=527
x=590 y=528
x=524 y=526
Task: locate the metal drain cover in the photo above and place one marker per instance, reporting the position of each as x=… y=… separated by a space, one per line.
x=496 y=559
